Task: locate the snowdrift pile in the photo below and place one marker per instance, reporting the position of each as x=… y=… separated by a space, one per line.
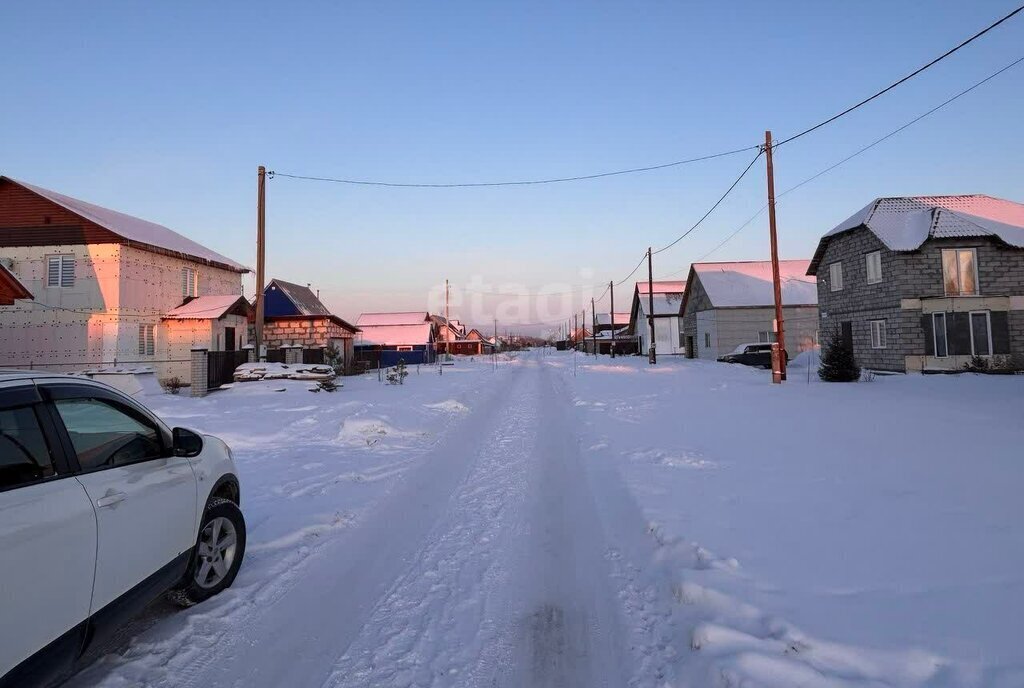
x=248 y=372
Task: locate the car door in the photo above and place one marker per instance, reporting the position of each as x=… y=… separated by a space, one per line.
x=144 y=497
x=47 y=538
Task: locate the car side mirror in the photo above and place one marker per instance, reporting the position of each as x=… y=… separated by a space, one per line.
x=186 y=442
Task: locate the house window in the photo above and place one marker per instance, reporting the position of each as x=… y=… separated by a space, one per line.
x=873 y=263
x=189 y=283
x=147 y=340
x=960 y=271
x=60 y=271
x=939 y=332
x=767 y=337
x=404 y=348
x=707 y=340
x=981 y=333
x=835 y=276
x=877 y=333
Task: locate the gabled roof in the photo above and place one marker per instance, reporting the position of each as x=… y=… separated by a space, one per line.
x=132 y=228
x=303 y=298
x=404 y=318
x=750 y=283
x=620 y=318
x=395 y=335
x=476 y=334
x=663 y=287
x=905 y=223
x=209 y=307
x=11 y=288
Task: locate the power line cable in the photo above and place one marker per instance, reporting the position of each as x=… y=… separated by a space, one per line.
x=908 y=77
x=712 y=209
x=525 y=182
x=864 y=149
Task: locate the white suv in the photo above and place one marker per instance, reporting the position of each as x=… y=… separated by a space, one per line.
x=102 y=509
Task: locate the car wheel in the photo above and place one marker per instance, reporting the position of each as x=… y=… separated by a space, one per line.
x=217 y=555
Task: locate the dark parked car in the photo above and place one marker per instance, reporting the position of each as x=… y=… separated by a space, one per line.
x=755 y=354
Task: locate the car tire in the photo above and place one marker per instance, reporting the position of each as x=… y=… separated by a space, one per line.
x=216 y=557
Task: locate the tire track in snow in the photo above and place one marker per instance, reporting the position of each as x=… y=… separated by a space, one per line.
x=442 y=618
x=291 y=626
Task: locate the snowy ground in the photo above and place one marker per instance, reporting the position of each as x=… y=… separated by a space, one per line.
x=682 y=525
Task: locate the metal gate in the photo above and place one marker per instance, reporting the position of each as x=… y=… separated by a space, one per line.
x=221 y=366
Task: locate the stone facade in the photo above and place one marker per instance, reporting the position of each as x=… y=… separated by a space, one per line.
x=910 y=290
x=309 y=332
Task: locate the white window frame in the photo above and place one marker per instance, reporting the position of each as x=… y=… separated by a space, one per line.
x=403 y=348
x=147 y=339
x=877 y=325
x=870 y=258
x=769 y=337
x=189 y=282
x=988 y=323
x=707 y=340
x=834 y=269
x=65 y=268
x=945 y=334
x=959 y=272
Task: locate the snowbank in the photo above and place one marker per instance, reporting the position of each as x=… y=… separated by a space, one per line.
x=248 y=372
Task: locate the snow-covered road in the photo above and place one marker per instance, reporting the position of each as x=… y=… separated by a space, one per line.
x=485 y=564
x=554 y=521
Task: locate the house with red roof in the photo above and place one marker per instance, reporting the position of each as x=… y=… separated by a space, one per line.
x=731 y=304
x=925 y=283
x=105 y=284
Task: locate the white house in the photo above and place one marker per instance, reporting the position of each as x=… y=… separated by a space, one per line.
x=667 y=297
x=728 y=304
x=105 y=285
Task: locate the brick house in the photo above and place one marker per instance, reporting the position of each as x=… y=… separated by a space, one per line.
x=924 y=283
x=294 y=316
x=729 y=304
x=102 y=281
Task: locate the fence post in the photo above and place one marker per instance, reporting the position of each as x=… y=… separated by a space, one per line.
x=200 y=371
x=293 y=354
x=251 y=351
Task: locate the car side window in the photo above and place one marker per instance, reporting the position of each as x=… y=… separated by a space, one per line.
x=105 y=434
x=24 y=454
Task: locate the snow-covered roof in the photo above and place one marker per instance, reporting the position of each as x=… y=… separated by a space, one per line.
x=406 y=318
x=11 y=288
x=904 y=223
x=749 y=283
x=663 y=287
x=394 y=335
x=206 y=307
x=620 y=318
x=133 y=228
x=302 y=297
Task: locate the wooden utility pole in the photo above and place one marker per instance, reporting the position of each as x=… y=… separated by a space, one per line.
x=593 y=325
x=611 y=290
x=652 y=356
x=575 y=329
x=494 y=349
x=447 y=324
x=778 y=371
x=261 y=249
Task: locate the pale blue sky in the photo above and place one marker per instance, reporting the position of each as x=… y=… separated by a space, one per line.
x=165 y=110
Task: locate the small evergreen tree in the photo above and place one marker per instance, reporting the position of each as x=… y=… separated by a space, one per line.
x=837 y=362
x=332 y=357
x=397 y=375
